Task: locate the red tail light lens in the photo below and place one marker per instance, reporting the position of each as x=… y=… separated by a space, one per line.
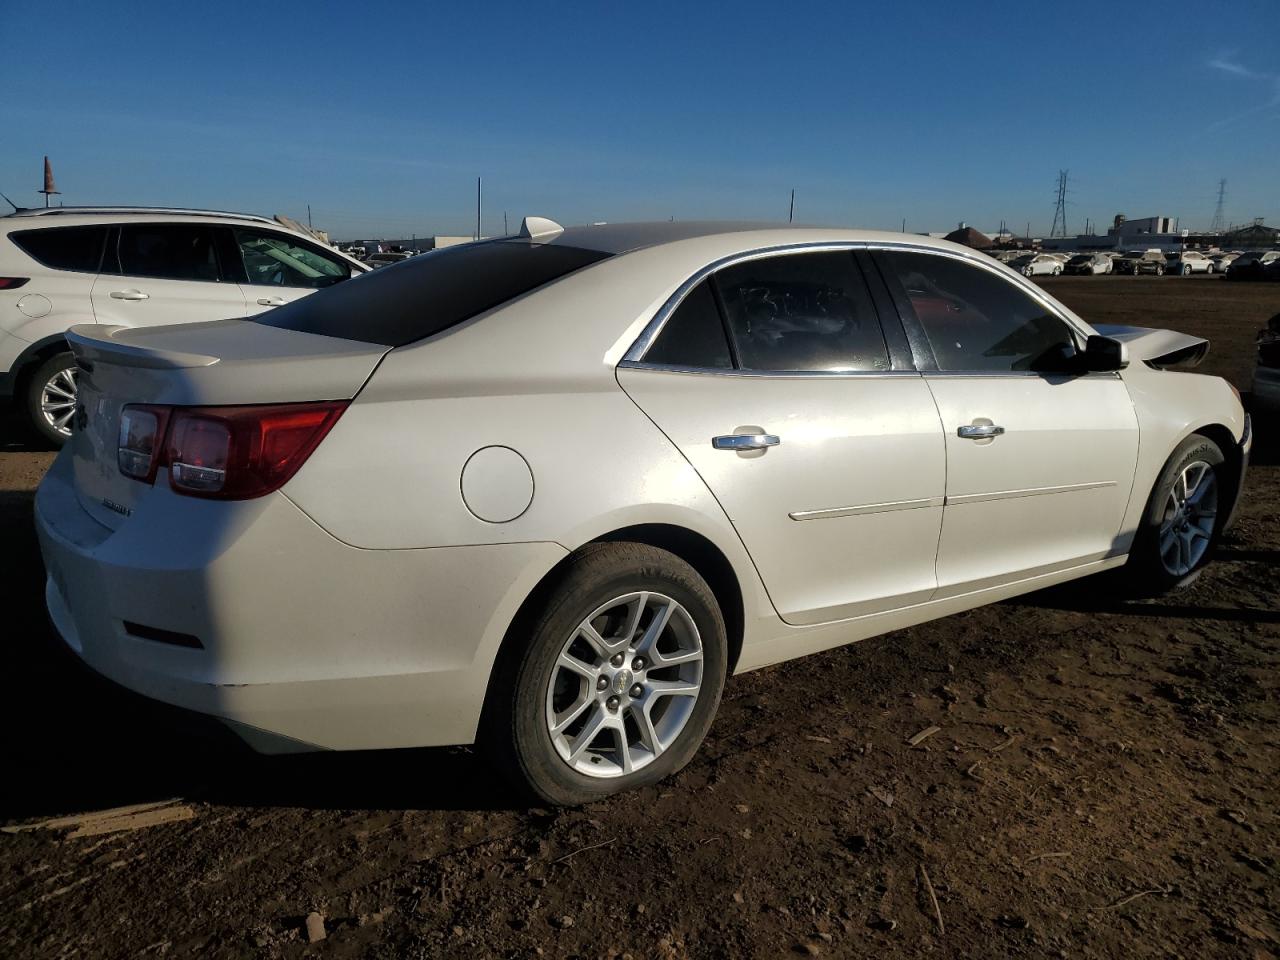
x=234 y=453
x=12 y=283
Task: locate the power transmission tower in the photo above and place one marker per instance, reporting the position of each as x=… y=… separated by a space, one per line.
x=1060 y=212
x=1219 y=219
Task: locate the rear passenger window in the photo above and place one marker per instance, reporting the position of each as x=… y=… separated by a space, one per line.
x=802 y=312
x=694 y=335
x=168 y=251
x=64 y=248
x=978 y=321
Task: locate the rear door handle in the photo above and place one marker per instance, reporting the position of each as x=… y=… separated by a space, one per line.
x=979 y=431
x=129 y=295
x=745 y=441
x=272 y=301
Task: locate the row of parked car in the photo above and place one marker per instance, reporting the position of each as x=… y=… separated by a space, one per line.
x=1250 y=265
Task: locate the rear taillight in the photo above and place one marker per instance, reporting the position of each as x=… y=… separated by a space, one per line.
x=227 y=453
x=141 y=441
x=12 y=283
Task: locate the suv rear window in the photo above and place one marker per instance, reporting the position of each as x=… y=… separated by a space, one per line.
x=64 y=248
x=423 y=295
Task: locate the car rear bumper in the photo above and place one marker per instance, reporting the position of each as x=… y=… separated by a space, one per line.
x=296 y=639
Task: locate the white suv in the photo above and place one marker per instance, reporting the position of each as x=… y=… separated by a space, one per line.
x=135 y=267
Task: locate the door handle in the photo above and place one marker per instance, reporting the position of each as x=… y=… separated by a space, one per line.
x=129 y=295
x=979 y=431
x=272 y=301
x=745 y=441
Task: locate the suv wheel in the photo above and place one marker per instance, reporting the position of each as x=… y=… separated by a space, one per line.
x=50 y=398
x=1159 y=270
x=618 y=681
x=1186 y=269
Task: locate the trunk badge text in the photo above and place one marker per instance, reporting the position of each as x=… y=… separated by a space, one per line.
x=112 y=505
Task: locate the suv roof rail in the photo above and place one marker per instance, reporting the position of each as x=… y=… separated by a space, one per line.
x=173 y=211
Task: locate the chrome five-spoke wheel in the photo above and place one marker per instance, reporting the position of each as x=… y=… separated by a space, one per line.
x=1190 y=512
x=624 y=684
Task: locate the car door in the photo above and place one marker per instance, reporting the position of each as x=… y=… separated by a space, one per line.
x=776 y=381
x=160 y=273
x=1040 y=461
x=279 y=268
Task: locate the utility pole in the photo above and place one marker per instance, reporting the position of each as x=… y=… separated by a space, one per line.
x=1060 y=211
x=505 y=231
x=49 y=187
x=1219 y=219
x=791 y=214
x=904 y=224
x=478 y=196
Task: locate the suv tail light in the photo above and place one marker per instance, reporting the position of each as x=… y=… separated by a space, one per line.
x=225 y=453
x=12 y=283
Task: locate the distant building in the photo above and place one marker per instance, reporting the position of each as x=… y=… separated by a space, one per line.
x=1147 y=233
x=1255 y=235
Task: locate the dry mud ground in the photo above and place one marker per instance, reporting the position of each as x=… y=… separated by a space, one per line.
x=1104 y=784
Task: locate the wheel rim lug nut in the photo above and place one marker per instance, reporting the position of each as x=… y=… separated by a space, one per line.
x=612 y=703
x=617 y=660
x=636 y=691
x=602 y=683
x=638 y=664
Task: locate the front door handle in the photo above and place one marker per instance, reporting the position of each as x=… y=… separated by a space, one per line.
x=271 y=301
x=745 y=441
x=130 y=294
x=979 y=431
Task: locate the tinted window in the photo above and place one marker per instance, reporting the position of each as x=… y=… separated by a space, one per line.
x=169 y=251
x=694 y=335
x=423 y=295
x=271 y=259
x=64 y=248
x=976 y=320
x=806 y=311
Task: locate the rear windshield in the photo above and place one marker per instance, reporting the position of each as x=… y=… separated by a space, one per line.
x=423 y=295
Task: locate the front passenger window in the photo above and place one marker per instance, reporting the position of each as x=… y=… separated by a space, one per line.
x=978 y=321
x=276 y=261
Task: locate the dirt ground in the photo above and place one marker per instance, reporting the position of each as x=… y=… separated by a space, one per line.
x=1103 y=783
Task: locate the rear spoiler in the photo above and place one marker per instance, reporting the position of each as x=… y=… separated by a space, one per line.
x=1162 y=349
x=93 y=342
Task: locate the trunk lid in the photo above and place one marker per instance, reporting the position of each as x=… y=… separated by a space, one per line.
x=227 y=362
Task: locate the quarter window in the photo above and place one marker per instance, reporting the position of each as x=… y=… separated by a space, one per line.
x=277 y=261
x=802 y=312
x=64 y=248
x=694 y=335
x=978 y=321
x=168 y=251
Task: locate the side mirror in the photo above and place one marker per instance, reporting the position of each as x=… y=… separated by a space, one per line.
x=1102 y=354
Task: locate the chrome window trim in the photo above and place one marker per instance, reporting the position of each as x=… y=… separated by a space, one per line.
x=771 y=374
x=634 y=357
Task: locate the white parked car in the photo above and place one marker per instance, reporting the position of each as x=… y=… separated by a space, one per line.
x=134 y=267
x=1187 y=262
x=1040 y=264
x=547 y=492
x=1089 y=264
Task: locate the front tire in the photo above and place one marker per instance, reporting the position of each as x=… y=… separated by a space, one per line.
x=618 y=680
x=50 y=398
x=1183 y=519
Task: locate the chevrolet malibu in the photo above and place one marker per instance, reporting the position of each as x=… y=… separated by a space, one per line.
x=546 y=492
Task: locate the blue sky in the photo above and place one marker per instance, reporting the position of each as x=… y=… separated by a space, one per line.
x=381 y=115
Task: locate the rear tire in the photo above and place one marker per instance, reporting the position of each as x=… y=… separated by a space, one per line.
x=1182 y=521
x=564 y=683
x=49 y=398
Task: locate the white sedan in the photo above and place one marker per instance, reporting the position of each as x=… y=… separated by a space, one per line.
x=1041 y=264
x=547 y=492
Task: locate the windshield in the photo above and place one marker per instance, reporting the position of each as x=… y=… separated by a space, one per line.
x=420 y=296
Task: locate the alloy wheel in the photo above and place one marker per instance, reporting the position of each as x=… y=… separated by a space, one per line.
x=1190 y=513
x=624 y=685
x=58 y=400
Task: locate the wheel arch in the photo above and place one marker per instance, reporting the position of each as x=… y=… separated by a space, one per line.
x=30 y=358
x=1221 y=435
x=690 y=546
